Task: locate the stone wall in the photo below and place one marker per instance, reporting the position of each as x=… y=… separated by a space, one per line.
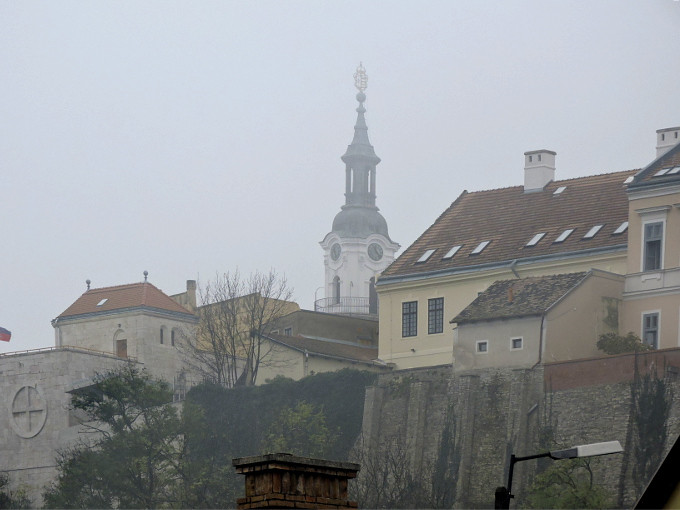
x=35 y=421
x=493 y=413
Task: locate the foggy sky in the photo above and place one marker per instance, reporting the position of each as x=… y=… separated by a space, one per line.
x=189 y=138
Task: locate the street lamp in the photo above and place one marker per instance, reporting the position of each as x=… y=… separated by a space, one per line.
x=503 y=494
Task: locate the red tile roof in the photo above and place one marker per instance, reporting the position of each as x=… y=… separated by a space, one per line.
x=121 y=297
x=325 y=348
x=509 y=218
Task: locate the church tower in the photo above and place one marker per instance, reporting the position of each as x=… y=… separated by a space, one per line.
x=358 y=248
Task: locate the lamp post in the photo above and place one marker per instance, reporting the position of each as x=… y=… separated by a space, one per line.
x=504 y=494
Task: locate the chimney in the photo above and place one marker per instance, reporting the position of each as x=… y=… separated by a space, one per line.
x=191 y=293
x=282 y=480
x=666 y=139
x=539 y=169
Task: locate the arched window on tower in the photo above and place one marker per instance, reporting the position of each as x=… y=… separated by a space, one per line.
x=336 y=290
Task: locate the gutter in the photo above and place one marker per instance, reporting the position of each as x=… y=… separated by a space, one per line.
x=386 y=280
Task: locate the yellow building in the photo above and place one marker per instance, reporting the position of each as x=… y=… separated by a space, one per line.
x=544 y=227
x=652 y=290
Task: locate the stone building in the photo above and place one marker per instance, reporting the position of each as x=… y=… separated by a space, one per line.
x=358 y=247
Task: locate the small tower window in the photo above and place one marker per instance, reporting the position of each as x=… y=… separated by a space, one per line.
x=336 y=290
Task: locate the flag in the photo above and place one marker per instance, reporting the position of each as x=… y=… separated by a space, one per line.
x=5 y=335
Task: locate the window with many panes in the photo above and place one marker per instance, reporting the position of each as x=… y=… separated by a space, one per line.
x=435 y=315
x=409 y=318
x=650 y=329
x=653 y=246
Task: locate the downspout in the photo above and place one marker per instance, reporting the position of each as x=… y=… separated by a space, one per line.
x=540 y=343
x=514 y=271
x=305 y=369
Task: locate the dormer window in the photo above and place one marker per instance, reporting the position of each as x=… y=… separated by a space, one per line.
x=480 y=247
x=534 y=240
x=592 y=232
x=451 y=252
x=425 y=256
x=563 y=236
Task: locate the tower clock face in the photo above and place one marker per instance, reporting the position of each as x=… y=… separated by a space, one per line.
x=375 y=251
x=335 y=251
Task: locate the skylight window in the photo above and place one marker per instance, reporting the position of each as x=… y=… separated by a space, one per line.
x=451 y=252
x=102 y=301
x=561 y=238
x=480 y=247
x=629 y=179
x=425 y=256
x=622 y=228
x=661 y=172
x=534 y=240
x=674 y=170
x=591 y=233
x=559 y=190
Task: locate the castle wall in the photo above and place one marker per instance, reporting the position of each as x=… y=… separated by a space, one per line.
x=493 y=413
x=35 y=421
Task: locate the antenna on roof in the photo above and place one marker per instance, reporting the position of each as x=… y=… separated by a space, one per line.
x=146 y=273
x=88 y=283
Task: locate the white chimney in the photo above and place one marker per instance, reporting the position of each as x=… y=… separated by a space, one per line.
x=539 y=169
x=666 y=139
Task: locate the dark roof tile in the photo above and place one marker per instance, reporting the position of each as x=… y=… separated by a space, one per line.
x=519 y=298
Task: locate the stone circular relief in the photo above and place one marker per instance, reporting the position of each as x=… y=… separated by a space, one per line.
x=28 y=411
x=335 y=251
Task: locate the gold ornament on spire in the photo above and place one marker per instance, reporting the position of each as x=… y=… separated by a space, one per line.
x=360 y=78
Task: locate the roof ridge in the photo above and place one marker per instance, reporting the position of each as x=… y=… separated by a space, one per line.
x=122 y=286
x=561 y=181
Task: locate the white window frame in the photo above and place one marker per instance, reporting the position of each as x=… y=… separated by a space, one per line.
x=647 y=216
x=513 y=338
x=477 y=344
x=658 y=326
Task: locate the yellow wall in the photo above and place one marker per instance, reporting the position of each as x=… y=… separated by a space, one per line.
x=575 y=324
x=654 y=291
x=458 y=291
x=671 y=246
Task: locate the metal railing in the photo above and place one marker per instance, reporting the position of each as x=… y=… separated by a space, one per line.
x=347 y=306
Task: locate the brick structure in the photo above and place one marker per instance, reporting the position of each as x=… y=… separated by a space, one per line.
x=282 y=480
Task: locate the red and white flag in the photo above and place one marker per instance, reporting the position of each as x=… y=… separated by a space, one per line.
x=5 y=335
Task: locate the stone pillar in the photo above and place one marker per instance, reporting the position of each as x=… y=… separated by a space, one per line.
x=282 y=480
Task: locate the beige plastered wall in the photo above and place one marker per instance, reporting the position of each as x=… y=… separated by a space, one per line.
x=499 y=335
x=662 y=299
x=671 y=246
x=576 y=322
x=458 y=291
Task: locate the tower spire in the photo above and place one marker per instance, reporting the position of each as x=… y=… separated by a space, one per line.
x=360 y=158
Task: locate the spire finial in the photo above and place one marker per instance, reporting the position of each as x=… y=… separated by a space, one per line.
x=146 y=273
x=87 y=282
x=361 y=78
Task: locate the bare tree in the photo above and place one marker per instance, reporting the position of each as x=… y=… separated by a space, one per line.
x=235 y=316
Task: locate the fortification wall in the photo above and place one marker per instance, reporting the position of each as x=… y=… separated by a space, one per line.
x=477 y=419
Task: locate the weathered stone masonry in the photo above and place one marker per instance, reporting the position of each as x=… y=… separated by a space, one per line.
x=497 y=412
